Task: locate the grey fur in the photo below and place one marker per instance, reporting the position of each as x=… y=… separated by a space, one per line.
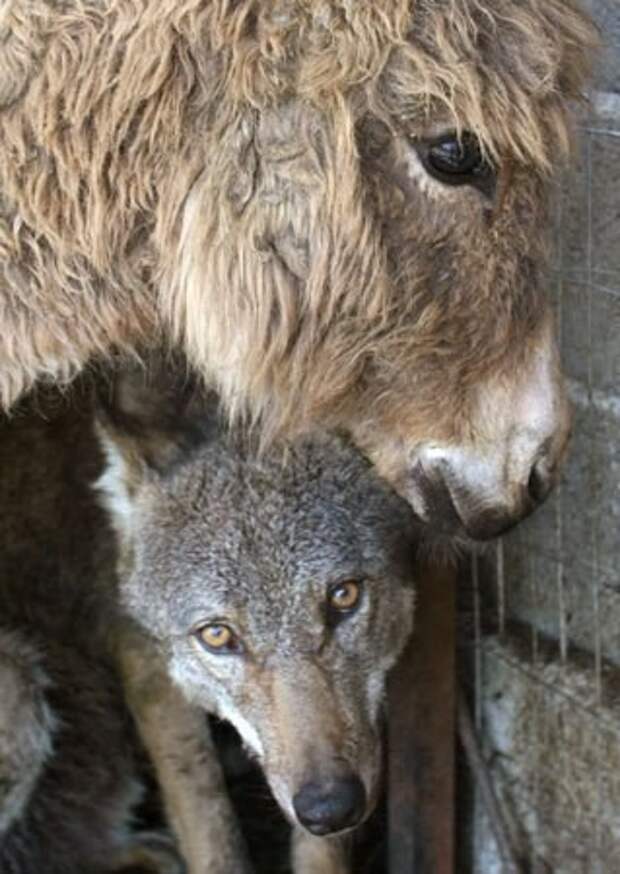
x=220 y=533
x=204 y=525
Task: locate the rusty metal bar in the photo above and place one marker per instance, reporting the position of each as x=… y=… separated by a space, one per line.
x=421 y=735
x=513 y=856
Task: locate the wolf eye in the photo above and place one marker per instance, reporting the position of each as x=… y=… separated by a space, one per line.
x=219 y=638
x=455 y=160
x=344 y=597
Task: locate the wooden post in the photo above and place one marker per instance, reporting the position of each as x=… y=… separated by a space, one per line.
x=421 y=735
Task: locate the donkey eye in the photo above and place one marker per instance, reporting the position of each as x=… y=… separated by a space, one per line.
x=219 y=639
x=344 y=597
x=455 y=160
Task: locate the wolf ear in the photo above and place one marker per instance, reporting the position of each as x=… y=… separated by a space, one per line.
x=157 y=414
x=148 y=420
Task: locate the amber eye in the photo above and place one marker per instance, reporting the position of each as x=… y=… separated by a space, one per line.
x=344 y=597
x=219 y=639
x=456 y=160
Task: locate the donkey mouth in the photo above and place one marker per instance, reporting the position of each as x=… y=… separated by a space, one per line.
x=432 y=502
x=448 y=510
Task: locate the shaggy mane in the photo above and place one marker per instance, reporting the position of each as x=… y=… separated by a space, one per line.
x=192 y=168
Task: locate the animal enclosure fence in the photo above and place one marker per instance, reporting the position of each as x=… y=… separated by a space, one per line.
x=542 y=654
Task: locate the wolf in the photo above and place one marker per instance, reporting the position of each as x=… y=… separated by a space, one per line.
x=69 y=778
x=273 y=590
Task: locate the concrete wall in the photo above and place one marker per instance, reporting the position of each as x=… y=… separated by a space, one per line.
x=548 y=678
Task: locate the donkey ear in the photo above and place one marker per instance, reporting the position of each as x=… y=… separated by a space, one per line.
x=152 y=417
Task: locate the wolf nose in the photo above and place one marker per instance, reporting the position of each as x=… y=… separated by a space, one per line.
x=325 y=808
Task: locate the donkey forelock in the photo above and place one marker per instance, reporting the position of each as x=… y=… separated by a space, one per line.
x=286 y=285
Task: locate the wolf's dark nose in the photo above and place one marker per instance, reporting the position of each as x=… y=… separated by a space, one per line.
x=332 y=806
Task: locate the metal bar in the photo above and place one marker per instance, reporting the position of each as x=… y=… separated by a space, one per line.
x=513 y=858
x=421 y=735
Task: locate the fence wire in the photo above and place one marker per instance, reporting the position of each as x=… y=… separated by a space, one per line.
x=545 y=660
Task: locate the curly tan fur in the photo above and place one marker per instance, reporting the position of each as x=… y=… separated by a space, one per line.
x=227 y=174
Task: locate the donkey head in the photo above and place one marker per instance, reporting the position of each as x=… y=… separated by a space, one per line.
x=365 y=247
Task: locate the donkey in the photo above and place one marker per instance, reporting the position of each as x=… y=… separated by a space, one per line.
x=338 y=209
x=275 y=595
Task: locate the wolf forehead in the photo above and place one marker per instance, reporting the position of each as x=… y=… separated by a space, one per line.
x=238 y=521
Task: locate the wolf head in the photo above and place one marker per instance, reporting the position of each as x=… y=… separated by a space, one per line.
x=279 y=588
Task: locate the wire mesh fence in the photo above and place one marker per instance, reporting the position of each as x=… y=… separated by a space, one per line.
x=545 y=607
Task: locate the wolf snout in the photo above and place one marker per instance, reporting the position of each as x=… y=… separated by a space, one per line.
x=330 y=806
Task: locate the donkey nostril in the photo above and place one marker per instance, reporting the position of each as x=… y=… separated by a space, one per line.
x=325 y=808
x=539 y=482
